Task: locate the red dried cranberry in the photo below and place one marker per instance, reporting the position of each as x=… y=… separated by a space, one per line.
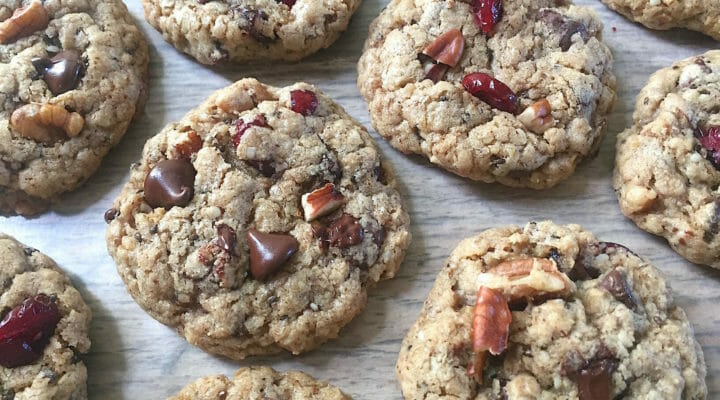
x=303 y=102
x=26 y=331
x=487 y=14
x=241 y=126
x=289 y=3
x=709 y=139
x=491 y=91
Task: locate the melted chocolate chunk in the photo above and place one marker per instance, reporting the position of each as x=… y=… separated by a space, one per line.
x=615 y=283
x=265 y=167
x=564 y=27
x=269 y=251
x=345 y=231
x=62 y=72
x=110 y=215
x=226 y=238
x=170 y=183
x=593 y=377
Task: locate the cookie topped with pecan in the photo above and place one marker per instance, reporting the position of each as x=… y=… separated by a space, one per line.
x=72 y=77
x=221 y=31
x=509 y=91
x=258 y=222
x=667 y=168
x=550 y=312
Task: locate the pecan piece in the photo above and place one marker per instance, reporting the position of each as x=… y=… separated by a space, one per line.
x=24 y=22
x=490 y=328
x=321 y=202
x=527 y=278
x=447 y=48
x=538 y=117
x=46 y=123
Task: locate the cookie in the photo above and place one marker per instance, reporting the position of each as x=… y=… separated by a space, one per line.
x=514 y=91
x=44 y=327
x=258 y=221
x=72 y=76
x=698 y=15
x=667 y=164
x=257 y=383
x=549 y=312
x=215 y=32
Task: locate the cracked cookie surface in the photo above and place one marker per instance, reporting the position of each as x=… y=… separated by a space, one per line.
x=256 y=383
x=698 y=15
x=666 y=168
x=246 y=30
x=57 y=373
x=250 y=263
x=539 y=49
x=614 y=328
x=88 y=61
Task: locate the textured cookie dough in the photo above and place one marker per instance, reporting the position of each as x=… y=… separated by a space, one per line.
x=464 y=135
x=242 y=30
x=698 y=15
x=110 y=92
x=259 y=383
x=649 y=337
x=664 y=178
x=59 y=374
x=172 y=260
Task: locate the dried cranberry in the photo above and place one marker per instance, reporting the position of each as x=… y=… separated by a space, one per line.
x=303 y=102
x=289 y=3
x=491 y=91
x=241 y=126
x=487 y=14
x=709 y=139
x=26 y=331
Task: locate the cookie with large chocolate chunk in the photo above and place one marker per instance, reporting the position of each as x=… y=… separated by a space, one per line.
x=44 y=327
x=217 y=31
x=257 y=222
x=256 y=383
x=515 y=91
x=550 y=312
x=667 y=169
x=72 y=76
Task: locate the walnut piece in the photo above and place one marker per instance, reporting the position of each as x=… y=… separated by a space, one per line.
x=46 y=123
x=528 y=279
x=538 y=117
x=24 y=21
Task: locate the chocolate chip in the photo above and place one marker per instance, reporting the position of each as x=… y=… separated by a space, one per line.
x=254 y=24
x=379 y=173
x=594 y=377
x=170 y=183
x=29 y=251
x=379 y=237
x=569 y=29
x=269 y=251
x=265 y=167
x=713 y=227
x=699 y=61
x=226 y=238
x=110 y=215
x=582 y=270
x=320 y=231
x=615 y=283
x=345 y=231
x=62 y=72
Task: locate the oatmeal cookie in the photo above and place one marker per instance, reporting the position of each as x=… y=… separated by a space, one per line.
x=258 y=221
x=72 y=76
x=44 y=327
x=550 y=312
x=258 y=383
x=214 y=31
x=514 y=91
x=667 y=165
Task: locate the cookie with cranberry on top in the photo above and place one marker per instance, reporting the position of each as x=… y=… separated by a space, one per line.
x=509 y=91
x=258 y=222
x=44 y=327
x=550 y=312
x=667 y=169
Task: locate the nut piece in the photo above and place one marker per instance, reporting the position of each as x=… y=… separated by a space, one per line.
x=490 y=328
x=527 y=278
x=538 y=117
x=447 y=48
x=46 y=123
x=321 y=202
x=24 y=21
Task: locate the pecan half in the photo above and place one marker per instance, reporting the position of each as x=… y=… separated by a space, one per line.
x=490 y=328
x=321 y=202
x=527 y=278
x=538 y=117
x=46 y=123
x=24 y=22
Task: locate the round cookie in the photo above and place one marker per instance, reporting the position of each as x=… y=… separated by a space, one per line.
x=214 y=31
x=44 y=327
x=666 y=168
x=258 y=221
x=72 y=76
x=257 y=383
x=540 y=79
x=558 y=315
x=698 y=15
